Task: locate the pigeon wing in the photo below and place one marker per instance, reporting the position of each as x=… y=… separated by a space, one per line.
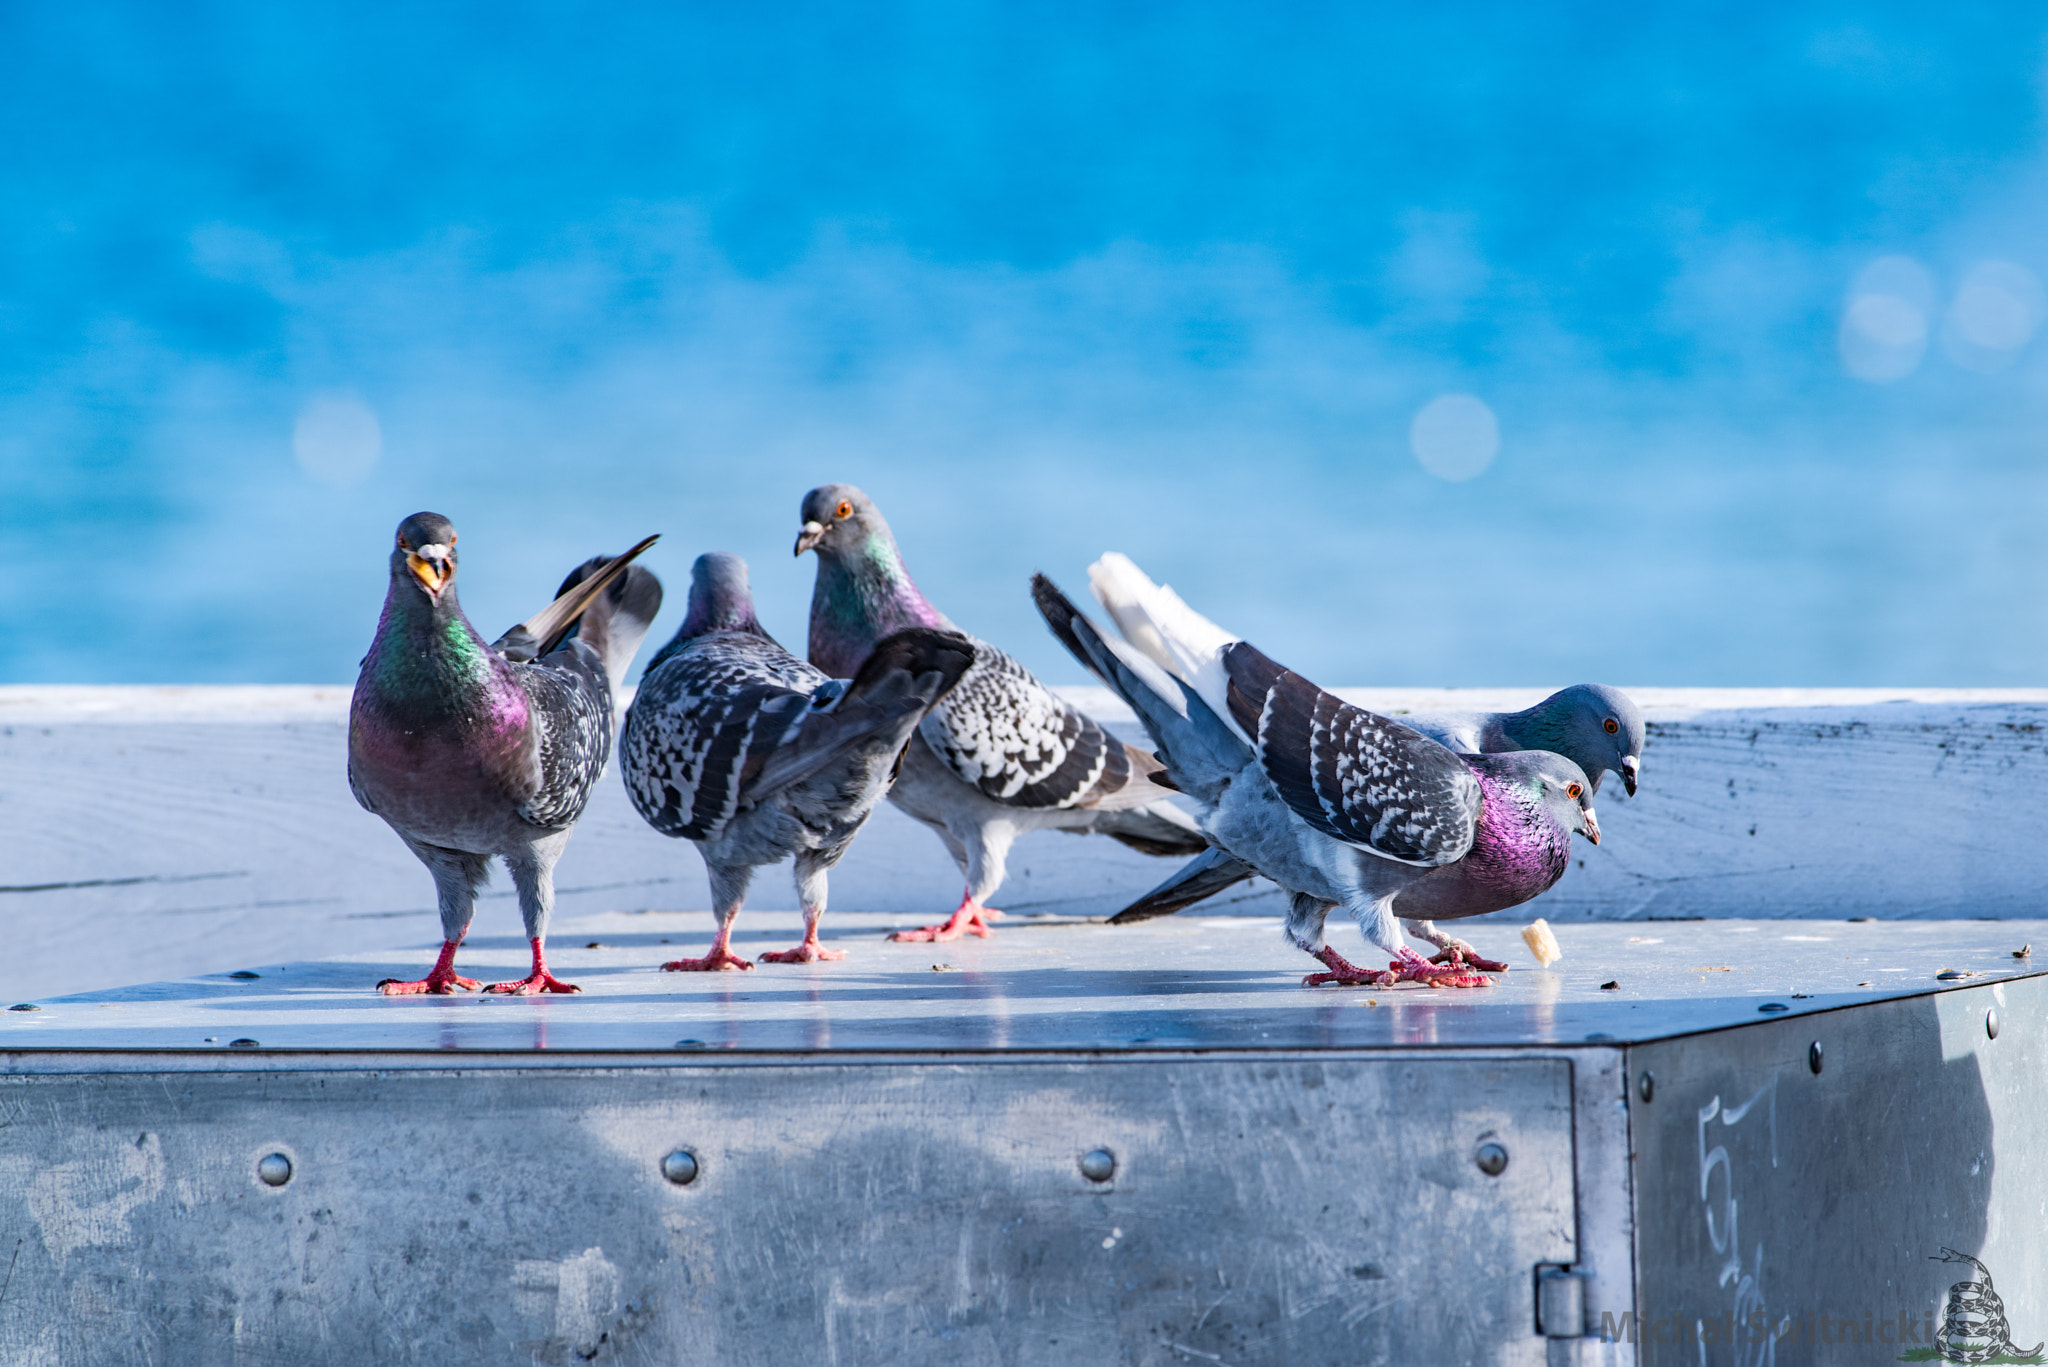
x=1353 y=774
x=571 y=709
x=1009 y=735
x=705 y=721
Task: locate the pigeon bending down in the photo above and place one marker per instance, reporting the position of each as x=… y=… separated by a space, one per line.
x=1001 y=754
x=1597 y=727
x=470 y=750
x=1336 y=804
x=738 y=746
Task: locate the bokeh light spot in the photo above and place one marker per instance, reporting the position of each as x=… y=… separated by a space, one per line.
x=336 y=440
x=1996 y=311
x=1884 y=323
x=1455 y=436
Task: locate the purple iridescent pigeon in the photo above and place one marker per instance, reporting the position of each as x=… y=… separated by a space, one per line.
x=738 y=746
x=1338 y=805
x=1598 y=728
x=999 y=755
x=471 y=751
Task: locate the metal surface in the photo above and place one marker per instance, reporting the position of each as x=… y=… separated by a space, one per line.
x=1813 y=1207
x=1070 y=1144
x=905 y=1213
x=1179 y=983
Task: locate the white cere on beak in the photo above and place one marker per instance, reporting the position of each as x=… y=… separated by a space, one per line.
x=433 y=550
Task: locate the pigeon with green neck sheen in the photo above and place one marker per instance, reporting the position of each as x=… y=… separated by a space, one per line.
x=739 y=747
x=472 y=751
x=1001 y=754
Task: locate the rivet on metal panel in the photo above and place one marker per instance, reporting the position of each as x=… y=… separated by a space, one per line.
x=1098 y=1165
x=1646 y=1086
x=274 y=1169
x=679 y=1166
x=1991 y=1023
x=1492 y=1159
x=1814 y=1057
x=1769 y=1007
x=1560 y=1303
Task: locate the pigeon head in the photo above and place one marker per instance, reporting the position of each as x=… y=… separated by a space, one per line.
x=1598 y=727
x=424 y=555
x=863 y=592
x=1556 y=784
x=720 y=599
x=839 y=520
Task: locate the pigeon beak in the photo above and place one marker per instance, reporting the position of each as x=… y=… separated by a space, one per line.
x=810 y=536
x=1629 y=765
x=430 y=565
x=1592 y=825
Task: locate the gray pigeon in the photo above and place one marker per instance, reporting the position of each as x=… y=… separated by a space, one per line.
x=1336 y=804
x=1596 y=727
x=469 y=751
x=738 y=746
x=1001 y=754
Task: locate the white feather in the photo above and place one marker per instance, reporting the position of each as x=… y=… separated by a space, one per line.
x=1180 y=640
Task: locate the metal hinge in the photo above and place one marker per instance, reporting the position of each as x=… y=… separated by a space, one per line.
x=1560 y=1302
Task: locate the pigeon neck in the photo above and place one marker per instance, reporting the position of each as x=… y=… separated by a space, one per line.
x=1515 y=839
x=858 y=600
x=1542 y=728
x=428 y=663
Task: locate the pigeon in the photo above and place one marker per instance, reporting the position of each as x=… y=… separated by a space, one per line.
x=470 y=750
x=1336 y=804
x=1596 y=727
x=735 y=744
x=1001 y=754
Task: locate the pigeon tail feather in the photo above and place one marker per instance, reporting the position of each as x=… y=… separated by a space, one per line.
x=544 y=632
x=1200 y=878
x=1155 y=620
x=906 y=675
x=1201 y=754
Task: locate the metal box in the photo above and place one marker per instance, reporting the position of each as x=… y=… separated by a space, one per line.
x=1070 y=1144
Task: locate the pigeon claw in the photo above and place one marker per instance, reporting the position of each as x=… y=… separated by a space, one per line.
x=441 y=981
x=536 y=982
x=969 y=918
x=1344 y=973
x=1413 y=968
x=720 y=959
x=810 y=951
x=1460 y=955
x=438 y=985
x=533 y=986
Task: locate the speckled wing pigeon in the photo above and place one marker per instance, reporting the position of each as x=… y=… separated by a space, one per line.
x=738 y=746
x=470 y=750
x=1001 y=754
x=1596 y=727
x=1336 y=804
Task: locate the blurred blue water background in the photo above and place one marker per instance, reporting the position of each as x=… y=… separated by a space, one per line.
x=1424 y=345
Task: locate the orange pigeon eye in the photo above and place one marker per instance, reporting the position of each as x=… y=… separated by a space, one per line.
x=1572 y=791
x=1613 y=726
x=843 y=510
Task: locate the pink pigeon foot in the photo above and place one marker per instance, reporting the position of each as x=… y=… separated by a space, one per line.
x=1459 y=955
x=441 y=980
x=536 y=982
x=719 y=959
x=810 y=951
x=969 y=918
x=1409 y=968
